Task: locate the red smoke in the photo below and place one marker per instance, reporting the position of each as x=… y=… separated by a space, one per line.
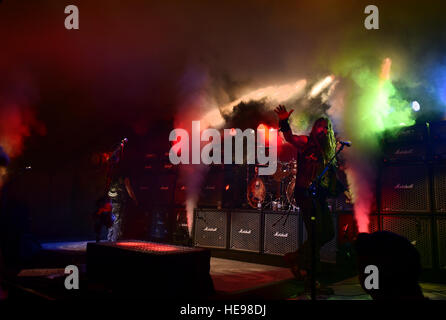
x=16 y=124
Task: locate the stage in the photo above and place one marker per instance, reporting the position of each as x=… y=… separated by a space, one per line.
x=232 y=279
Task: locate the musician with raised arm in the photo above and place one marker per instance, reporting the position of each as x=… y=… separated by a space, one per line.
x=119 y=193
x=314 y=152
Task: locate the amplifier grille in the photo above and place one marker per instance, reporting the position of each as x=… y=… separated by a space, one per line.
x=405 y=189
x=410 y=152
x=245 y=230
x=441 y=236
x=210 y=228
x=328 y=251
x=280 y=239
x=439 y=188
x=417 y=230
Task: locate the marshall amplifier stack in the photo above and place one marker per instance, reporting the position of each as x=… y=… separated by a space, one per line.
x=412 y=189
x=269 y=232
x=410 y=201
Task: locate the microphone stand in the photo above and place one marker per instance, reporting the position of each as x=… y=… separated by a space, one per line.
x=287 y=212
x=314 y=194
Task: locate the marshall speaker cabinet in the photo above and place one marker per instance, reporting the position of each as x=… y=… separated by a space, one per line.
x=245 y=230
x=417 y=230
x=281 y=236
x=410 y=134
x=210 y=228
x=440 y=188
x=441 y=241
x=212 y=189
x=405 y=189
x=413 y=152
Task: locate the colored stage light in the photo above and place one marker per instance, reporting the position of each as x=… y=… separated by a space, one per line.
x=415 y=106
x=146 y=246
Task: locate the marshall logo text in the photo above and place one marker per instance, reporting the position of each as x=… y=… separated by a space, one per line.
x=404 y=186
x=281 y=235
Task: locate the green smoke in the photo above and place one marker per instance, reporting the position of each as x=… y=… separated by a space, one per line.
x=371 y=104
x=375 y=105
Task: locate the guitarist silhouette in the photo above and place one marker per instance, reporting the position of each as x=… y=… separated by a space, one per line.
x=112 y=205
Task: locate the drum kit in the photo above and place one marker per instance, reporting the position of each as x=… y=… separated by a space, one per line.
x=275 y=192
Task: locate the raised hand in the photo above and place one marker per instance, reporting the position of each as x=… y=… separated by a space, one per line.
x=282 y=113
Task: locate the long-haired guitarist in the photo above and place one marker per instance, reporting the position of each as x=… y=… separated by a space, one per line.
x=313 y=154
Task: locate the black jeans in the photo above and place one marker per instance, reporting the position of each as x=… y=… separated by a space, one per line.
x=324 y=227
x=115 y=232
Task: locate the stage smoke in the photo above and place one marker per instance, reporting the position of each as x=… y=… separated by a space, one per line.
x=196 y=103
x=17 y=122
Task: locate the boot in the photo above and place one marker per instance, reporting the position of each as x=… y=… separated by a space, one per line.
x=321 y=290
x=291 y=260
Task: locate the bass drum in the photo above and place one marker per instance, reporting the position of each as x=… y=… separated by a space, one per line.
x=256 y=192
x=290 y=191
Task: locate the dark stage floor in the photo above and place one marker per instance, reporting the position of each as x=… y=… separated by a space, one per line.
x=233 y=279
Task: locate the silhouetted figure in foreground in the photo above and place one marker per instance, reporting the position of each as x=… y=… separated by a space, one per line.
x=398 y=263
x=4 y=161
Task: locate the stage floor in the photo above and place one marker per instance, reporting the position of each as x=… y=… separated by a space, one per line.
x=229 y=276
x=238 y=280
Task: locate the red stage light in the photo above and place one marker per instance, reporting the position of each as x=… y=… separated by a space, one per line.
x=142 y=246
x=227 y=187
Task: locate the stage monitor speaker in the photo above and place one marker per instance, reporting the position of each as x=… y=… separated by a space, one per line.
x=405 y=152
x=441 y=241
x=211 y=228
x=405 y=189
x=440 y=188
x=245 y=230
x=136 y=269
x=212 y=189
x=417 y=230
x=281 y=236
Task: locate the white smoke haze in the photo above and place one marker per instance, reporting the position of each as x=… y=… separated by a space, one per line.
x=114 y=78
